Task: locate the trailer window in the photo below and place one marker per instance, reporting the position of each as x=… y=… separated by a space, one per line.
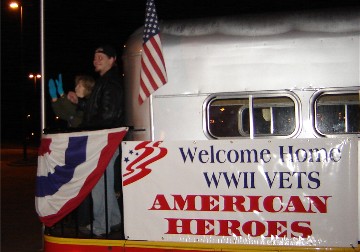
x=251 y=116
x=224 y=117
x=337 y=113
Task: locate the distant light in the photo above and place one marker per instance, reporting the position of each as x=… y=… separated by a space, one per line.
x=28 y=116
x=56 y=117
x=14 y=5
x=32 y=133
x=31 y=76
x=222 y=109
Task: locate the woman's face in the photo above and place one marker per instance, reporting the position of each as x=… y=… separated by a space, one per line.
x=80 y=90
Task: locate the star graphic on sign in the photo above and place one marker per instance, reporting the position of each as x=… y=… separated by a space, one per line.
x=131 y=153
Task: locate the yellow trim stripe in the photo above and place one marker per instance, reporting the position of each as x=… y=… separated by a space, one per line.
x=91 y=242
x=190 y=246
x=229 y=247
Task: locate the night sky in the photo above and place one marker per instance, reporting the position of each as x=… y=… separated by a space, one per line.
x=74 y=28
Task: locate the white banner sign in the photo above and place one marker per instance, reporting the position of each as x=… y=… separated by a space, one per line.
x=296 y=192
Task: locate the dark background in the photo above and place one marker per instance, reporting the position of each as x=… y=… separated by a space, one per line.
x=73 y=29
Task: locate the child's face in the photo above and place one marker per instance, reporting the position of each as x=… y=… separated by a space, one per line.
x=80 y=90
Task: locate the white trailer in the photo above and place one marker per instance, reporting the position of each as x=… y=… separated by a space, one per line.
x=264 y=76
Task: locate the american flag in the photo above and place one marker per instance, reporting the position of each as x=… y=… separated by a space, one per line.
x=153 y=72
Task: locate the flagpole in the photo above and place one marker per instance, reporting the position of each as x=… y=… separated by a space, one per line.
x=152 y=130
x=42 y=93
x=42 y=110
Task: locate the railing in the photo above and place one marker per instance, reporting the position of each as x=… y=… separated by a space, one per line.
x=74 y=224
x=79 y=223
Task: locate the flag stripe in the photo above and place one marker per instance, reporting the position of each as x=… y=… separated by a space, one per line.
x=150 y=72
x=144 y=82
x=51 y=183
x=155 y=54
x=156 y=42
x=153 y=75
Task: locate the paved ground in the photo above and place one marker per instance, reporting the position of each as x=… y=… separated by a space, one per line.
x=21 y=231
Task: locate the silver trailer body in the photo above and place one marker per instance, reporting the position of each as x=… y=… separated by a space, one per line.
x=299 y=52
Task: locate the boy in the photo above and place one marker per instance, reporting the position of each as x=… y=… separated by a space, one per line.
x=62 y=106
